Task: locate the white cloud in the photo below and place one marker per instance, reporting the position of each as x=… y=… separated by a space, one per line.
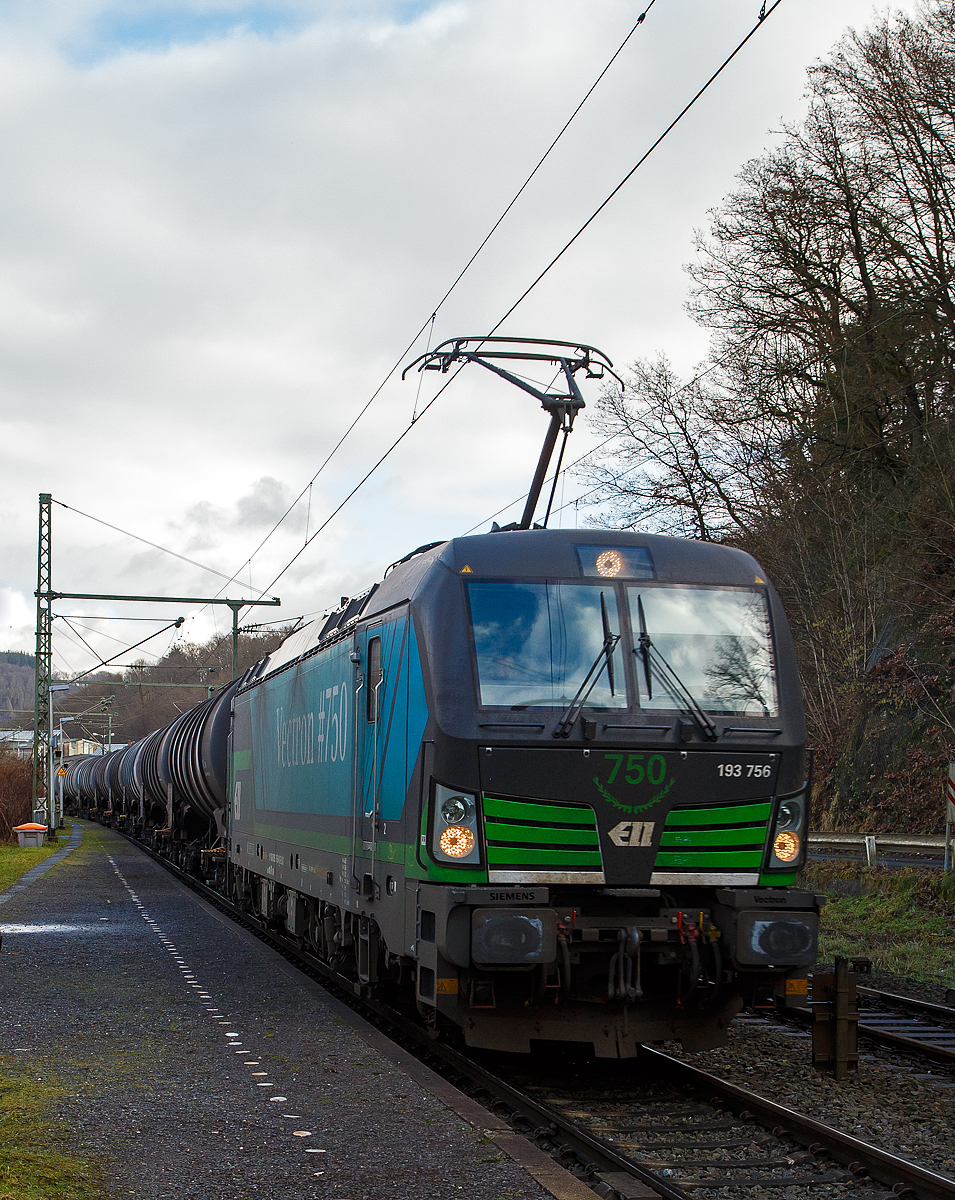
x=218 y=231
x=17 y=618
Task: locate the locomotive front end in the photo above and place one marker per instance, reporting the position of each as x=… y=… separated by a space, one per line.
x=615 y=804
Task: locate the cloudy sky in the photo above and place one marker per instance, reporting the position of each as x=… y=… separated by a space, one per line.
x=222 y=222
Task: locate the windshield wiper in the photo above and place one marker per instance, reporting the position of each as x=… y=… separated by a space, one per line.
x=653 y=660
x=609 y=637
x=604 y=658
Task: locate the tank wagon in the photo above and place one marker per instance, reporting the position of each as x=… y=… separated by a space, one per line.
x=550 y=784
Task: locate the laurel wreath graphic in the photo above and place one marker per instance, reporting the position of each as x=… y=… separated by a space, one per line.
x=632 y=808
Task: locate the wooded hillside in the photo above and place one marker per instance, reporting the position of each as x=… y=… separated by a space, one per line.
x=820 y=433
x=103 y=702
x=16 y=687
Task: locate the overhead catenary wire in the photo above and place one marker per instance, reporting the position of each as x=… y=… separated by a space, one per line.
x=89 y=629
x=75 y=640
x=537 y=280
x=135 y=536
x=74 y=634
x=451 y=288
x=155 y=546
x=764 y=13
x=68 y=669
x=101 y=617
x=415 y=416
x=83 y=639
x=454 y=284
x=106 y=661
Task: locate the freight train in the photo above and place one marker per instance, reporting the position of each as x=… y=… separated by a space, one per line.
x=549 y=785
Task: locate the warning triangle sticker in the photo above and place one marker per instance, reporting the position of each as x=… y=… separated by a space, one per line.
x=466 y=570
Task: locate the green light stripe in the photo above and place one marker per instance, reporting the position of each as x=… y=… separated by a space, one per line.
x=737 y=814
x=534 y=835
x=560 y=836
x=242 y=760
x=548 y=814
x=538 y=856
x=725 y=860
x=715 y=837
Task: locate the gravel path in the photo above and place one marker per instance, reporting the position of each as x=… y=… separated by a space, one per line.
x=196 y=1064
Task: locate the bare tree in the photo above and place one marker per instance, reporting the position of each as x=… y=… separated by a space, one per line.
x=16 y=792
x=820 y=435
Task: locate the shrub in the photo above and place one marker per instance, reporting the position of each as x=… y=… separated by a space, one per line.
x=16 y=792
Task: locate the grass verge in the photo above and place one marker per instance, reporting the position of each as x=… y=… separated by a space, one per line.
x=33 y=1162
x=904 y=920
x=17 y=860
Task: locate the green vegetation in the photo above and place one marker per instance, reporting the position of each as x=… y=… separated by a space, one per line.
x=17 y=658
x=17 y=860
x=33 y=1163
x=902 y=920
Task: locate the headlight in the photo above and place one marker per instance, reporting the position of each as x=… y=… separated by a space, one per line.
x=777 y=938
x=788 y=846
x=456 y=809
x=454 y=834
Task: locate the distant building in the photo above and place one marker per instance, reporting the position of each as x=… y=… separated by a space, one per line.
x=19 y=740
x=71 y=749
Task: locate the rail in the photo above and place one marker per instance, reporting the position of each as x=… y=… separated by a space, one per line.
x=907 y=1024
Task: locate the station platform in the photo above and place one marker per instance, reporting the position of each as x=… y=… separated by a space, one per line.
x=193 y=1061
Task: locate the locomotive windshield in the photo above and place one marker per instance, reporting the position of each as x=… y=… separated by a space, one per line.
x=535 y=643
x=718 y=643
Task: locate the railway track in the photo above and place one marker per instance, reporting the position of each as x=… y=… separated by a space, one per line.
x=914 y=1026
x=658 y=1128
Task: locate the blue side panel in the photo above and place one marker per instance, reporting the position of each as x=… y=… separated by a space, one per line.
x=302 y=731
x=404 y=717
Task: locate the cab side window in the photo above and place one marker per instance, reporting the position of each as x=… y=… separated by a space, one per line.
x=374 y=678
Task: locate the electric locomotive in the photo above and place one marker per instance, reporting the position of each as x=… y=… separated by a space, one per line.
x=421 y=787
x=549 y=784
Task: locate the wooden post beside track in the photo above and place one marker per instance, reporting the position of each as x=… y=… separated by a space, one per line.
x=835 y=1021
